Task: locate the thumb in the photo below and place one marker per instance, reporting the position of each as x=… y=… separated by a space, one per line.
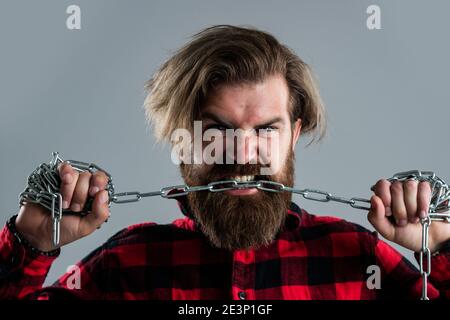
x=377 y=217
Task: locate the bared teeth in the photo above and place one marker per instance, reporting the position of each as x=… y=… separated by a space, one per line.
x=243 y=178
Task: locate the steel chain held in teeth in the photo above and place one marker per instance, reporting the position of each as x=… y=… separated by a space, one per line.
x=44 y=184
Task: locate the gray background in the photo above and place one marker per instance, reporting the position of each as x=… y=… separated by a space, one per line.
x=81 y=93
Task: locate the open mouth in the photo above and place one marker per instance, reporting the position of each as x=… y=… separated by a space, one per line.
x=242 y=178
x=245 y=178
x=241 y=189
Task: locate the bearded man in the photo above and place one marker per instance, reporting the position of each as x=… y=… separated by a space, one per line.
x=243 y=242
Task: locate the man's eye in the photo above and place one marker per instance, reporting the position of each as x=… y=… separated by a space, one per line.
x=267 y=129
x=216 y=126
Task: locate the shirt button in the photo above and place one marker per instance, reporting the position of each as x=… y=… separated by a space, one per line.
x=242 y=295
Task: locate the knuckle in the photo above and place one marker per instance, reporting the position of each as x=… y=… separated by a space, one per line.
x=100 y=179
x=65 y=168
x=396 y=187
x=62 y=165
x=425 y=185
x=382 y=184
x=75 y=175
x=85 y=174
x=102 y=174
x=379 y=188
x=410 y=185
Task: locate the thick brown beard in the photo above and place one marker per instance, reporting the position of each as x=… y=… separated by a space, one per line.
x=239 y=222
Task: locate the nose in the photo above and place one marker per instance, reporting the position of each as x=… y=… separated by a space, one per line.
x=242 y=148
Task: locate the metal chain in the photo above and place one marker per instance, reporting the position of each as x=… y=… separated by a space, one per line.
x=44 y=182
x=438 y=211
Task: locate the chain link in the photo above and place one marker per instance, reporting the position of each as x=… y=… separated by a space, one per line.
x=44 y=182
x=425 y=270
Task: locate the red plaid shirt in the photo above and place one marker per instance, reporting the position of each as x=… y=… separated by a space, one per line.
x=312 y=257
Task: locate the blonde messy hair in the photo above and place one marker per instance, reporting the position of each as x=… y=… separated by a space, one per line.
x=227 y=54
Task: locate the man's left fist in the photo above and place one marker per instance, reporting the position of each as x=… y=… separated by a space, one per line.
x=396 y=210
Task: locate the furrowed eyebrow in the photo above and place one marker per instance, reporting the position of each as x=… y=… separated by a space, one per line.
x=270 y=122
x=211 y=116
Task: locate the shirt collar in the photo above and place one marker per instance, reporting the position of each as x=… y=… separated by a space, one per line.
x=292 y=222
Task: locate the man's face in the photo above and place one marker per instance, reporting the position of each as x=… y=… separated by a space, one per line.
x=245 y=218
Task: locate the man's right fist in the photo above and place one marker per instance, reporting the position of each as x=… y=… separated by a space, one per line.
x=35 y=224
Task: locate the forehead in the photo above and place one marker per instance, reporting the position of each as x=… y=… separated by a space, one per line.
x=250 y=101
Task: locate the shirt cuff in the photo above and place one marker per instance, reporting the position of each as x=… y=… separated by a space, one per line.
x=17 y=253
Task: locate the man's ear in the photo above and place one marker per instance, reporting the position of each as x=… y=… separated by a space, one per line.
x=297 y=128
